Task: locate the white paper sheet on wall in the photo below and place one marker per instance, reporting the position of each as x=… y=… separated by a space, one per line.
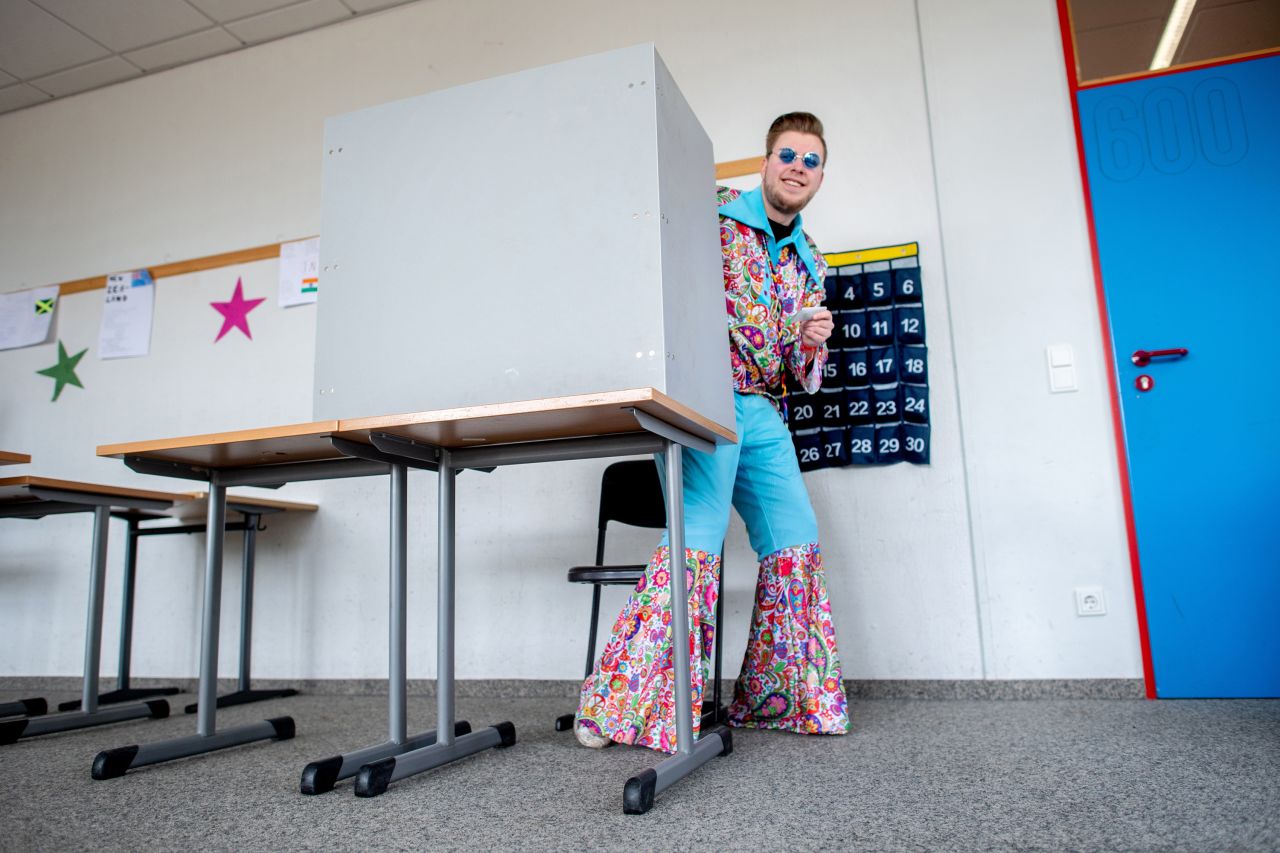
x=299 y=272
x=126 y=315
x=26 y=317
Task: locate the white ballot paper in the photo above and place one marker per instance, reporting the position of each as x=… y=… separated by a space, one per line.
x=26 y=317
x=299 y=272
x=126 y=315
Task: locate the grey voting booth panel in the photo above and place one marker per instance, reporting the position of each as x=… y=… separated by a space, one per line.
x=547 y=233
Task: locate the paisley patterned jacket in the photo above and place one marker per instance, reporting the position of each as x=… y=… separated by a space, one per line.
x=765 y=283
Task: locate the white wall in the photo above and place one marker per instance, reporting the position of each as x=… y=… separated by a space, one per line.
x=962 y=569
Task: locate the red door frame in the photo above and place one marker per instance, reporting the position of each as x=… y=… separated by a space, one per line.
x=1117 y=422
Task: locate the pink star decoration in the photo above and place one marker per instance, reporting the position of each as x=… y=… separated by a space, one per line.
x=235 y=313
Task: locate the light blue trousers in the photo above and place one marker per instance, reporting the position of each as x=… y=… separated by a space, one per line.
x=759 y=477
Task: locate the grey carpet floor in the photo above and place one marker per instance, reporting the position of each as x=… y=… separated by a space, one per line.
x=1049 y=774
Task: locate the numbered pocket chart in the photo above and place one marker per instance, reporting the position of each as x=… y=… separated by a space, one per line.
x=873 y=407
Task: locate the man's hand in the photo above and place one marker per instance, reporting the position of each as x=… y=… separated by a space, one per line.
x=814 y=332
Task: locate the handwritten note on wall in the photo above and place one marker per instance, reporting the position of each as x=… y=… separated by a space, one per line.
x=126 y=315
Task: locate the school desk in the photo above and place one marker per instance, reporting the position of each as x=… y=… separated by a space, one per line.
x=617 y=423
x=191 y=506
x=37 y=497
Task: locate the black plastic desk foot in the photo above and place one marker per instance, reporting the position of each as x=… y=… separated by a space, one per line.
x=24 y=708
x=285 y=729
x=243 y=697
x=638 y=794
x=11 y=730
x=319 y=777
x=564 y=722
x=374 y=778
x=127 y=694
x=507 y=732
x=112 y=763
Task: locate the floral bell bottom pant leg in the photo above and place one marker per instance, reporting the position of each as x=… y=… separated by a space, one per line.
x=790 y=677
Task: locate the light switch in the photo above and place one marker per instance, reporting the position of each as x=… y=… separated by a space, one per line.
x=1062 y=368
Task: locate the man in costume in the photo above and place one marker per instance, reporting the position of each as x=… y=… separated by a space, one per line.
x=790 y=678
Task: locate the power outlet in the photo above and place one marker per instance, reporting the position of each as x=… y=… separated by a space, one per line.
x=1090 y=601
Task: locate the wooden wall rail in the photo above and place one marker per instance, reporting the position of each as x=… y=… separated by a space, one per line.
x=209 y=262
x=729 y=169
x=738 y=168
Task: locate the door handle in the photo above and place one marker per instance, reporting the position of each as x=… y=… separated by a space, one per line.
x=1143 y=357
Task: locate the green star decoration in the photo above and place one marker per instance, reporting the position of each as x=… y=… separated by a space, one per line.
x=64 y=372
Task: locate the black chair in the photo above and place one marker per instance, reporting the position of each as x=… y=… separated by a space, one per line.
x=631 y=493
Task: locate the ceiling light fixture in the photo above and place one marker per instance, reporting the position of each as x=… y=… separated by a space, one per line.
x=1172 y=35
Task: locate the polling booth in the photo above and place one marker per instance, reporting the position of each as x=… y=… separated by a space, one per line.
x=541 y=234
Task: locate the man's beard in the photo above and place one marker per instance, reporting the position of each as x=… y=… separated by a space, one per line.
x=786 y=208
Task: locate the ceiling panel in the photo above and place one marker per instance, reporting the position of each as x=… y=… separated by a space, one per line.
x=1116 y=50
x=113 y=69
x=69 y=46
x=1230 y=29
x=33 y=42
x=179 y=51
x=125 y=24
x=1094 y=14
x=231 y=10
x=19 y=96
x=363 y=6
x=291 y=19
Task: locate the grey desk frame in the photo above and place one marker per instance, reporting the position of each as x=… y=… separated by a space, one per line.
x=56 y=501
x=392 y=762
x=112 y=763
x=251 y=524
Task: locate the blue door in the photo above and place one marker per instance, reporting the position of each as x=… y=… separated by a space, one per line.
x=1184 y=180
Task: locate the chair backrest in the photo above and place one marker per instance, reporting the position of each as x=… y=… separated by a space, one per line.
x=631 y=493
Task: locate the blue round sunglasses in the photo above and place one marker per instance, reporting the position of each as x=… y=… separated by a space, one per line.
x=812 y=160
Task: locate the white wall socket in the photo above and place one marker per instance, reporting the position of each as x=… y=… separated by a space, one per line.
x=1090 y=601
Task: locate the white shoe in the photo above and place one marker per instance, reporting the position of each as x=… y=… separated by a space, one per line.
x=587 y=737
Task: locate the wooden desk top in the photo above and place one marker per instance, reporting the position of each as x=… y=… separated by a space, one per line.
x=529 y=420
x=537 y=420
x=17 y=489
x=241 y=448
x=10 y=458
x=195 y=503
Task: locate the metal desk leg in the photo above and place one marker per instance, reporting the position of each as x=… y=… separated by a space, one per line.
x=374 y=777
x=12 y=730
x=123 y=692
x=116 y=762
x=320 y=776
x=243 y=694
x=638 y=794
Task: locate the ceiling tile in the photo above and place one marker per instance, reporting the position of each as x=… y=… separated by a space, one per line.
x=125 y=24
x=1095 y=14
x=33 y=42
x=231 y=10
x=185 y=49
x=17 y=97
x=290 y=20
x=110 y=70
x=363 y=6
